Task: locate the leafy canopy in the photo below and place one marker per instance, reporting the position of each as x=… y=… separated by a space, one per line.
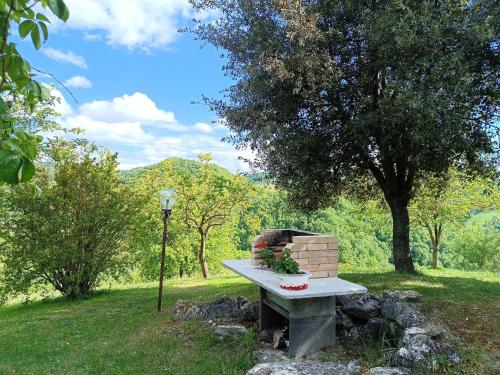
x=18 y=146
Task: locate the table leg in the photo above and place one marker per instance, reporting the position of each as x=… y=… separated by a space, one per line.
x=311 y=325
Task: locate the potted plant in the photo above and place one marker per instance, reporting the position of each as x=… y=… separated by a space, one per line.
x=291 y=277
x=267 y=256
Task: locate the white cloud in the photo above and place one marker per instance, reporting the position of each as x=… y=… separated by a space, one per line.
x=66 y=57
x=143 y=134
x=61 y=106
x=78 y=82
x=203 y=127
x=145 y=24
x=135 y=107
x=91 y=37
x=123 y=133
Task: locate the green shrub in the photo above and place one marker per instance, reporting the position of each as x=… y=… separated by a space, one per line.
x=71 y=235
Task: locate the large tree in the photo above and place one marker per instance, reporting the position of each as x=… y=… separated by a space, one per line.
x=328 y=91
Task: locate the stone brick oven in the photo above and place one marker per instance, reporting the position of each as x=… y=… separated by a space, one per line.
x=317 y=253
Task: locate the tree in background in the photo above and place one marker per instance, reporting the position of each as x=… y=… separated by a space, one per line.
x=183 y=245
x=329 y=91
x=208 y=198
x=448 y=200
x=71 y=236
x=18 y=145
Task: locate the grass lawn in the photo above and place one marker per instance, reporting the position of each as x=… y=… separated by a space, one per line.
x=119 y=332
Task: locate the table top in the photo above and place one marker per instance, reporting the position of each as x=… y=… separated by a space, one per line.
x=267 y=279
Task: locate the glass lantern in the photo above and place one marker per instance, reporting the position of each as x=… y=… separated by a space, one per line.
x=167 y=199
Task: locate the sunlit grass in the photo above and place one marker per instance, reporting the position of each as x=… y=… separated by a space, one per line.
x=117 y=329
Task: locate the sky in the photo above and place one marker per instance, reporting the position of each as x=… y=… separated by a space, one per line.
x=135 y=79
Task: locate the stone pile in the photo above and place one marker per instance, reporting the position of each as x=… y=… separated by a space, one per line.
x=419 y=341
x=395 y=316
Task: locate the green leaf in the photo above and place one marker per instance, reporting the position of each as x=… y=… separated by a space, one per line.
x=26 y=171
x=35 y=37
x=9 y=167
x=42 y=17
x=59 y=8
x=25 y=28
x=45 y=31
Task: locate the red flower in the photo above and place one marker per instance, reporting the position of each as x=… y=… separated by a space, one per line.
x=261 y=245
x=277 y=255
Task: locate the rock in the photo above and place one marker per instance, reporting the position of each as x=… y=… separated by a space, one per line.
x=352 y=332
x=402 y=358
x=250 y=311
x=372 y=329
x=222 y=308
x=450 y=352
x=264 y=355
x=240 y=300
x=405 y=295
x=387 y=371
x=419 y=353
x=266 y=335
x=411 y=332
x=394 y=309
x=365 y=307
x=304 y=368
x=227 y=330
x=342 y=321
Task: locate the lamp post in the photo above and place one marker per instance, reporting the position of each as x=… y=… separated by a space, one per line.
x=167 y=200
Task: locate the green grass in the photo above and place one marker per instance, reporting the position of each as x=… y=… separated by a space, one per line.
x=119 y=332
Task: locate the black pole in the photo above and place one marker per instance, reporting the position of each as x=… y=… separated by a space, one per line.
x=166 y=215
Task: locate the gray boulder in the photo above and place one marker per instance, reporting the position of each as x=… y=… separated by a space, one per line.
x=419 y=353
x=222 y=308
x=387 y=371
x=342 y=321
x=402 y=358
x=250 y=311
x=394 y=309
x=372 y=329
x=309 y=367
x=411 y=332
x=229 y=330
x=362 y=307
x=266 y=355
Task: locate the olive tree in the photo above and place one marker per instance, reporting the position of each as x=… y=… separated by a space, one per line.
x=72 y=235
x=330 y=91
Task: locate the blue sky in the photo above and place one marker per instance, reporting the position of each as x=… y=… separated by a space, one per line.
x=135 y=78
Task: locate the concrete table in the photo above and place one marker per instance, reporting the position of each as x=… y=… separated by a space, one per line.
x=310 y=312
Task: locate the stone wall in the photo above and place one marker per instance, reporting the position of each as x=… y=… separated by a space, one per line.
x=314 y=252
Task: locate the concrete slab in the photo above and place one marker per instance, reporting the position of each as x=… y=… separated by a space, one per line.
x=268 y=279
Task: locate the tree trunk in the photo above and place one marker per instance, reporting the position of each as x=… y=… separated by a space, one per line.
x=403 y=261
x=202 y=256
x=435 y=251
x=435 y=244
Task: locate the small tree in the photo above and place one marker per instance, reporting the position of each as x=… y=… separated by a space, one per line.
x=209 y=198
x=448 y=200
x=71 y=235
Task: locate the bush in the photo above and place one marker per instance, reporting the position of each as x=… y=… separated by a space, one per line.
x=71 y=235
